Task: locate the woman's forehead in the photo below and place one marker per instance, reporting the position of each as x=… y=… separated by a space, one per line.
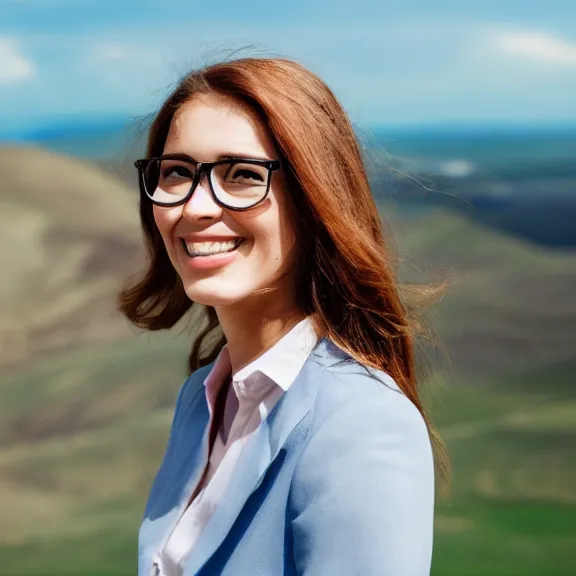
x=207 y=126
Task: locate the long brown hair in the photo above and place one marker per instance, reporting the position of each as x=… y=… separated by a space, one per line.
x=347 y=276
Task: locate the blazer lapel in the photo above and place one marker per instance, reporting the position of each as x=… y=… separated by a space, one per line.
x=260 y=451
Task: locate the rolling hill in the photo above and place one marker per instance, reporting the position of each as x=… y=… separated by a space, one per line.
x=510 y=304
x=69 y=233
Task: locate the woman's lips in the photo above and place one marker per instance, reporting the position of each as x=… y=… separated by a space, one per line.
x=211 y=248
x=213 y=257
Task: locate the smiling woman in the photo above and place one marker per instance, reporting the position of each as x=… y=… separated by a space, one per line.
x=222 y=252
x=299 y=444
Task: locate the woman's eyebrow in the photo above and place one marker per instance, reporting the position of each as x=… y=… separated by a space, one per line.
x=238 y=156
x=222 y=156
x=180 y=153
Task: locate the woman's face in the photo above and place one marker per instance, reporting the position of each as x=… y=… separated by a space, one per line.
x=206 y=129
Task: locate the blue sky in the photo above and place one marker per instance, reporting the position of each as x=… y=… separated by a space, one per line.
x=402 y=62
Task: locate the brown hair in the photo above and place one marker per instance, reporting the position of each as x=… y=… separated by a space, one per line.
x=347 y=275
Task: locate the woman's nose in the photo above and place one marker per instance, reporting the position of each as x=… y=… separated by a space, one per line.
x=201 y=205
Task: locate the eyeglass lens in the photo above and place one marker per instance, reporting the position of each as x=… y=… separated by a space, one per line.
x=236 y=184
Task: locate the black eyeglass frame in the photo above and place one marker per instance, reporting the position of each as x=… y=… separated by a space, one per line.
x=204 y=168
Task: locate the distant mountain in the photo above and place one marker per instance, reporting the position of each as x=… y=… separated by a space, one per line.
x=522 y=183
x=540 y=209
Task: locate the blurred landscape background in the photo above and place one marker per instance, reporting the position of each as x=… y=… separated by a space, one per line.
x=467 y=118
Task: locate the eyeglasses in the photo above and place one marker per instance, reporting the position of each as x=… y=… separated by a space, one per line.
x=235 y=183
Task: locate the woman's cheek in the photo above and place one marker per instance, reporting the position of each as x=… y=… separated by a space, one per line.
x=165 y=219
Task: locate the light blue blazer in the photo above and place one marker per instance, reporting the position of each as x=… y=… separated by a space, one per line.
x=338 y=480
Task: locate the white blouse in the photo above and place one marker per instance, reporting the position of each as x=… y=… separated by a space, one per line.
x=255 y=390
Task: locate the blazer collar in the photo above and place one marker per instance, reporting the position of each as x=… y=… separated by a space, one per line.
x=261 y=450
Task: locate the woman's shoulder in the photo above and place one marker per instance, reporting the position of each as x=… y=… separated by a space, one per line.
x=352 y=391
x=362 y=425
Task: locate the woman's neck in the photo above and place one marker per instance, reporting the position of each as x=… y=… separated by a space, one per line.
x=254 y=326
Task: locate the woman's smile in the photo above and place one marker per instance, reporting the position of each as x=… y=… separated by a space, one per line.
x=210 y=248
x=223 y=256
x=209 y=254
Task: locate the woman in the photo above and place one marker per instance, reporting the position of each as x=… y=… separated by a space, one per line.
x=299 y=444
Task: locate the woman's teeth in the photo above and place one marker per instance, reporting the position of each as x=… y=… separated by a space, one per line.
x=210 y=248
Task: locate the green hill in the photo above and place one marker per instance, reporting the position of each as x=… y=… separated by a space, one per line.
x=85 y=406
x=510 y=304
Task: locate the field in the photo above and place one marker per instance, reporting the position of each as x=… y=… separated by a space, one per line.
x=85 y=402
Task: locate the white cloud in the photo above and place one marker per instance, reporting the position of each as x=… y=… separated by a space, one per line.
x=14 y=66
x=381 y=73
x=537 y=46
x=396 y=72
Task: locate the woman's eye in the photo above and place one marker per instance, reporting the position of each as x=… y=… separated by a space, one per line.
x=247 y=175
x=176 y=172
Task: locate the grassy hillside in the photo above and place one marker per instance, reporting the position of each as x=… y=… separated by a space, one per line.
x=513 y=445
x=85 y=406
x=69 y=234
x=509 y=304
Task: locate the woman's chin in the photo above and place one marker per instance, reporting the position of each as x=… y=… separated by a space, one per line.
x=213 y=298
